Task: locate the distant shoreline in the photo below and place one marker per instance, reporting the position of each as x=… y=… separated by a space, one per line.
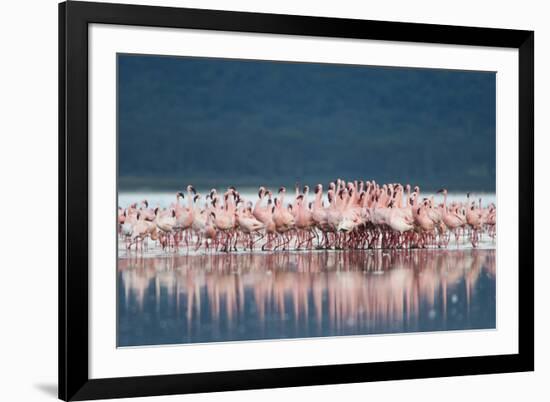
x=147 y=184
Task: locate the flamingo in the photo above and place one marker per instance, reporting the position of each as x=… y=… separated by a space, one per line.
x=249 y=225
x=358 y=214
x=283 y=218
x=165 y=223
x=450 y=217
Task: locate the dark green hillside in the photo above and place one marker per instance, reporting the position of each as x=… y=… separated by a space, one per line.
x=215 y=122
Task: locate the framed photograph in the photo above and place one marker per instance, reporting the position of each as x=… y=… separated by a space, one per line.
x=256 y=201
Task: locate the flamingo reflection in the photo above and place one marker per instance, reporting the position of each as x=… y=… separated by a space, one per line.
x=275 y=295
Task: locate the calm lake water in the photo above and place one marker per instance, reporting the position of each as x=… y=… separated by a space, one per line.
x=178 y=299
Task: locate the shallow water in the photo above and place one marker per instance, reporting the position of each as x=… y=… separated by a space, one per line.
x=230 y=297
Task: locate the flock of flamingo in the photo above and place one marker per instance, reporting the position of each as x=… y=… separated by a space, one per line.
x=354 y=215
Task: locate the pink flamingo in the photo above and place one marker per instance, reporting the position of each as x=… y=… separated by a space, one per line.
x=283 y=218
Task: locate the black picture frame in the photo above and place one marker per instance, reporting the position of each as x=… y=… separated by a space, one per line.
x=74 y=381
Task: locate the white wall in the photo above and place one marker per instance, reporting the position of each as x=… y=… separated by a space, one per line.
x=28 y=197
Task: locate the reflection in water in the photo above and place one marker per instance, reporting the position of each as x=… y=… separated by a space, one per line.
x=213 y=298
